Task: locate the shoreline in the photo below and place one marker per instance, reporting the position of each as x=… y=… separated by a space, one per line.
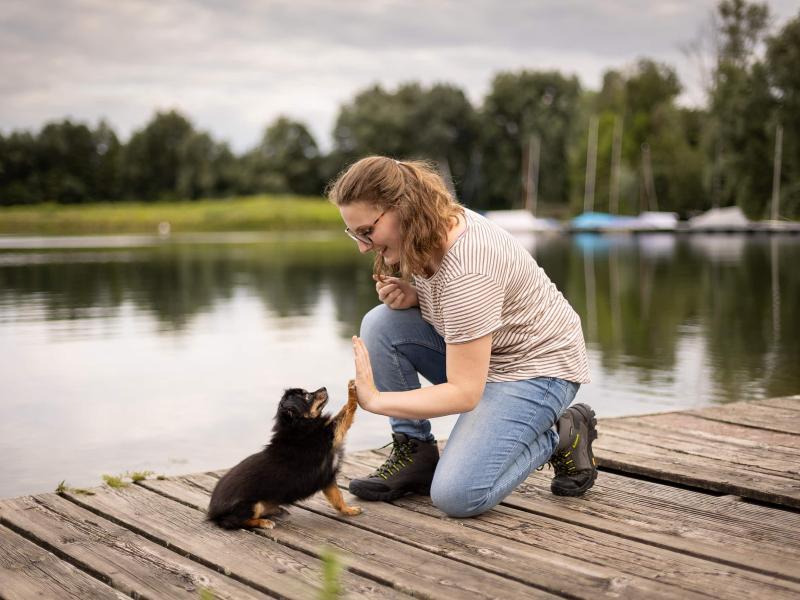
x=241 y=214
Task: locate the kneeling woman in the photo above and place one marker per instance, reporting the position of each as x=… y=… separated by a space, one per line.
x=467 y=307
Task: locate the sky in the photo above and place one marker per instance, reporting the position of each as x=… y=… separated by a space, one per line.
x=232 y=67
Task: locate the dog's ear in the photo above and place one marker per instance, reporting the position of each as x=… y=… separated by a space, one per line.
x=288 y=412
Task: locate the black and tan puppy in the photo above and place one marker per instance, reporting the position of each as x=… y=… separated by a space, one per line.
x=302 y=458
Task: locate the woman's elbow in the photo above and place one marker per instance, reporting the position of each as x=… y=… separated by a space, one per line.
x=470 y=400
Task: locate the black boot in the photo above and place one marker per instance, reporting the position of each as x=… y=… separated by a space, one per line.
x=573 y=461
x=409 y=469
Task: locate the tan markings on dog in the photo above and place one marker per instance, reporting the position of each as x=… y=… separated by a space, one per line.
x=345 y=417
x=334 y=496
x=264 y=509
x=260 y=523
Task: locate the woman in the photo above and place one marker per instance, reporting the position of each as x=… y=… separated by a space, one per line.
x=467 y=307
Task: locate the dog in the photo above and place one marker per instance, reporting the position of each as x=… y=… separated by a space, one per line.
x=303 y=457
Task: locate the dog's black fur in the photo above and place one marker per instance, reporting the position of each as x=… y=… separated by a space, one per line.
x=302 y=458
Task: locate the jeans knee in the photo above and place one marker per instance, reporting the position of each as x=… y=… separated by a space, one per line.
x=374 y=323
x=456 y=501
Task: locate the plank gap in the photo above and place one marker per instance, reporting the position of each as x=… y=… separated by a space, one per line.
x=739 y=423
x=667 y=482
x=770 y=505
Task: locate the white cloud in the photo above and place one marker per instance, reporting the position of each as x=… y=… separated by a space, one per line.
x=233 y=67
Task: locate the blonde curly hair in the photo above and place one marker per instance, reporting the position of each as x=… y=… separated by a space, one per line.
x=416 y=192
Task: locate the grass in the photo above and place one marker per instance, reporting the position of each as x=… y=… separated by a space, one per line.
x=65 y=488
x=253 y=213
x=115 y=481
x=137 y=476
x=331 y=575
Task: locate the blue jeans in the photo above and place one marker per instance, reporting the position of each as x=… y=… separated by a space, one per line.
x=492 y=448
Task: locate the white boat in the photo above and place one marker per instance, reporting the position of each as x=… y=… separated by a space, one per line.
x=729 y=218
x=520 y=221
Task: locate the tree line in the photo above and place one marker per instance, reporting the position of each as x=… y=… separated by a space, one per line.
x=649 y=151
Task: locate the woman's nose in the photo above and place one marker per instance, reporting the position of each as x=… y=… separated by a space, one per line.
x=362 y=247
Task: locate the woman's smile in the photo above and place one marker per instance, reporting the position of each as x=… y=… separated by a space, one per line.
x=384 y=235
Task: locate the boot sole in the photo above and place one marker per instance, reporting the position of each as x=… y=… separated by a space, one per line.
x=371 y=495
x=580 y=491
x=588 y=413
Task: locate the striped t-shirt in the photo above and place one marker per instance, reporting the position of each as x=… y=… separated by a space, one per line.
x=488 y=283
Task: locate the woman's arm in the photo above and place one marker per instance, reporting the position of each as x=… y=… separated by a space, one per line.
x=467 y=368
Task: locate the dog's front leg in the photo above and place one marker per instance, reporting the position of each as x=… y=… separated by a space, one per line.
x=334 y=496
x=345 y=417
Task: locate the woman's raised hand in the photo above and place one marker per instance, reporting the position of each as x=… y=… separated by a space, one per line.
x=395 y=292
x=365 y=384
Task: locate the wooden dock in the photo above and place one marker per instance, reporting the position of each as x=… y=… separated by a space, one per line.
x=691 y=504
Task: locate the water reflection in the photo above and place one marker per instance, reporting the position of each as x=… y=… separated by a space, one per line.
x=171 y=356
x=177 y=282
x=731 y=298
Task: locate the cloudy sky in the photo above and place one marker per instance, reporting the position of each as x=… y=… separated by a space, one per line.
x=233 y=66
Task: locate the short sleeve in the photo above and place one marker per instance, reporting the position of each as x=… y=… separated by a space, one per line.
x=472 y=307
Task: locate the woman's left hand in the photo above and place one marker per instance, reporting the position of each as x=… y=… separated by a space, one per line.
x=365 y=385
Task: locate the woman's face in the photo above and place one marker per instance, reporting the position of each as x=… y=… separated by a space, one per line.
x=385 y=234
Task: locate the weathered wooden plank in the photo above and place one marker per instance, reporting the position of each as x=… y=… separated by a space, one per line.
x=406 y=567
x=754 y=414
x=710 y=453
x=254 y=560
x=788 y=402
x=745 y=535
x=125 y=560
x=619 y=452
x=28 y=571
x=587 y=512
x=570 y=576
x=725 y=433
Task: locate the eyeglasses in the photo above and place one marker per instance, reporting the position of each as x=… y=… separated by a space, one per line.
x=363 y=236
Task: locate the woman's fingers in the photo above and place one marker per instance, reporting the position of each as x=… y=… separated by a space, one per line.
x=364 y=380
x=393 y=291
x=388 y=292
x=363 y=355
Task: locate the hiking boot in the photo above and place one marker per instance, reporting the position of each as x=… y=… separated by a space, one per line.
x=572 y=460
x=408 y=469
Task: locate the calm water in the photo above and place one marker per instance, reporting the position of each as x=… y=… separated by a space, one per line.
x=128 y=353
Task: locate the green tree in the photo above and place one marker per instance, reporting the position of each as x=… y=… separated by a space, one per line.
x=201 y=167
x=154 y=156
x=436 y=123
x=641 y=101
x=65 y=153
x=783 y=77
x=288 y=159
x=19 y=179
x=520 y=105
x=741 y=108
x=106 y=163
x=656 y=123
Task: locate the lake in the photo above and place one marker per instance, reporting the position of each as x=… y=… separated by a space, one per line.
x=132 y=353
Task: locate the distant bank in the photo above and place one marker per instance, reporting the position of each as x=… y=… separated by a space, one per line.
x=253 y=213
